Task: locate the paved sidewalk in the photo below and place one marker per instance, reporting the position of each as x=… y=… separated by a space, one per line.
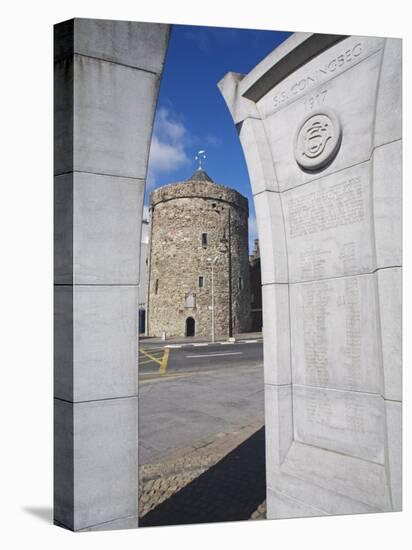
x=148 y=340
x=218 y=479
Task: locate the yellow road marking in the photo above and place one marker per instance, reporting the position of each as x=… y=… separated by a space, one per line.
x=165 y=360
x=152 y=357
x=162 y=359
x=159 y=357
x=147 y=362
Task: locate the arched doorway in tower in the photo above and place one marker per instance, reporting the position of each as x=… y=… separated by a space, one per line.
x=190 y=326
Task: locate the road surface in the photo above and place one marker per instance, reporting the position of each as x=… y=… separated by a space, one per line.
x=204 y=390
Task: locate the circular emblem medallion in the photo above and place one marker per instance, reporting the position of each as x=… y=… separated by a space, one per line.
x=318 y=140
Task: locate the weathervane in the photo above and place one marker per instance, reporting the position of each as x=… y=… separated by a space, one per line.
x=201 y=156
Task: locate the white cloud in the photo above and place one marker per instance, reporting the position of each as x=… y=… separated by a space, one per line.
x=166 y=157
x=167 y=149
x=167 y=125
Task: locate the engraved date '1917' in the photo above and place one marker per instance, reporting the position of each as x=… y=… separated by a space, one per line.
x=315 y=101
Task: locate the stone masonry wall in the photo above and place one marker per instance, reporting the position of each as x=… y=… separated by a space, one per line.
x=180 y=213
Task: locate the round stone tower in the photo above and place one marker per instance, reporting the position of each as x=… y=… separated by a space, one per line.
x=198 y=257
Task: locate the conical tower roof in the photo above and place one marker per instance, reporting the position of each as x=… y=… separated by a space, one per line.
x=200 y=175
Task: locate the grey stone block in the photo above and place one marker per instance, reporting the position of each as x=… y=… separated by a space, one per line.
x=63 y=348
x=359 y=480
x=394 y=427
x=276 y=331
x=95 y=461
x=112 y=113
x=352 y=423
x=328 y=226
x=351 y=95
x=388 y=122
x=283 y=506
x=387 y=204
x=334 y=334
x=140 y=45
x=97 y=229
x=258 y=156
x=272 y=242
x=130 y=522
x=389 y=283
x=324 y=499
x=63 y=463
x=95 y=342
x=63 y=229
x=278 y=414
x=240 y=107
x=306 y=81
x=63 y=116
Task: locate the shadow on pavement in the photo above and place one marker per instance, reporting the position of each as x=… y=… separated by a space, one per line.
x=231 y=490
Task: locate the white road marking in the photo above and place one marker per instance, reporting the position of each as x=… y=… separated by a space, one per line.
x=202 y=344
x=215 y=354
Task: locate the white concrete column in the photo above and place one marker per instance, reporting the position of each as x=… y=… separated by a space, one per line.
x=107 y=76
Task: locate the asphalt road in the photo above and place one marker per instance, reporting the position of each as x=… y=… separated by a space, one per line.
x=191 y=357
x=216 y=356
x=203 y=391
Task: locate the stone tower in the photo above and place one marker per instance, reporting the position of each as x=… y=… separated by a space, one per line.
x=198 y=227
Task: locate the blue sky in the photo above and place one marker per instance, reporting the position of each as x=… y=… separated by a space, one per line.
x=191 y=113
